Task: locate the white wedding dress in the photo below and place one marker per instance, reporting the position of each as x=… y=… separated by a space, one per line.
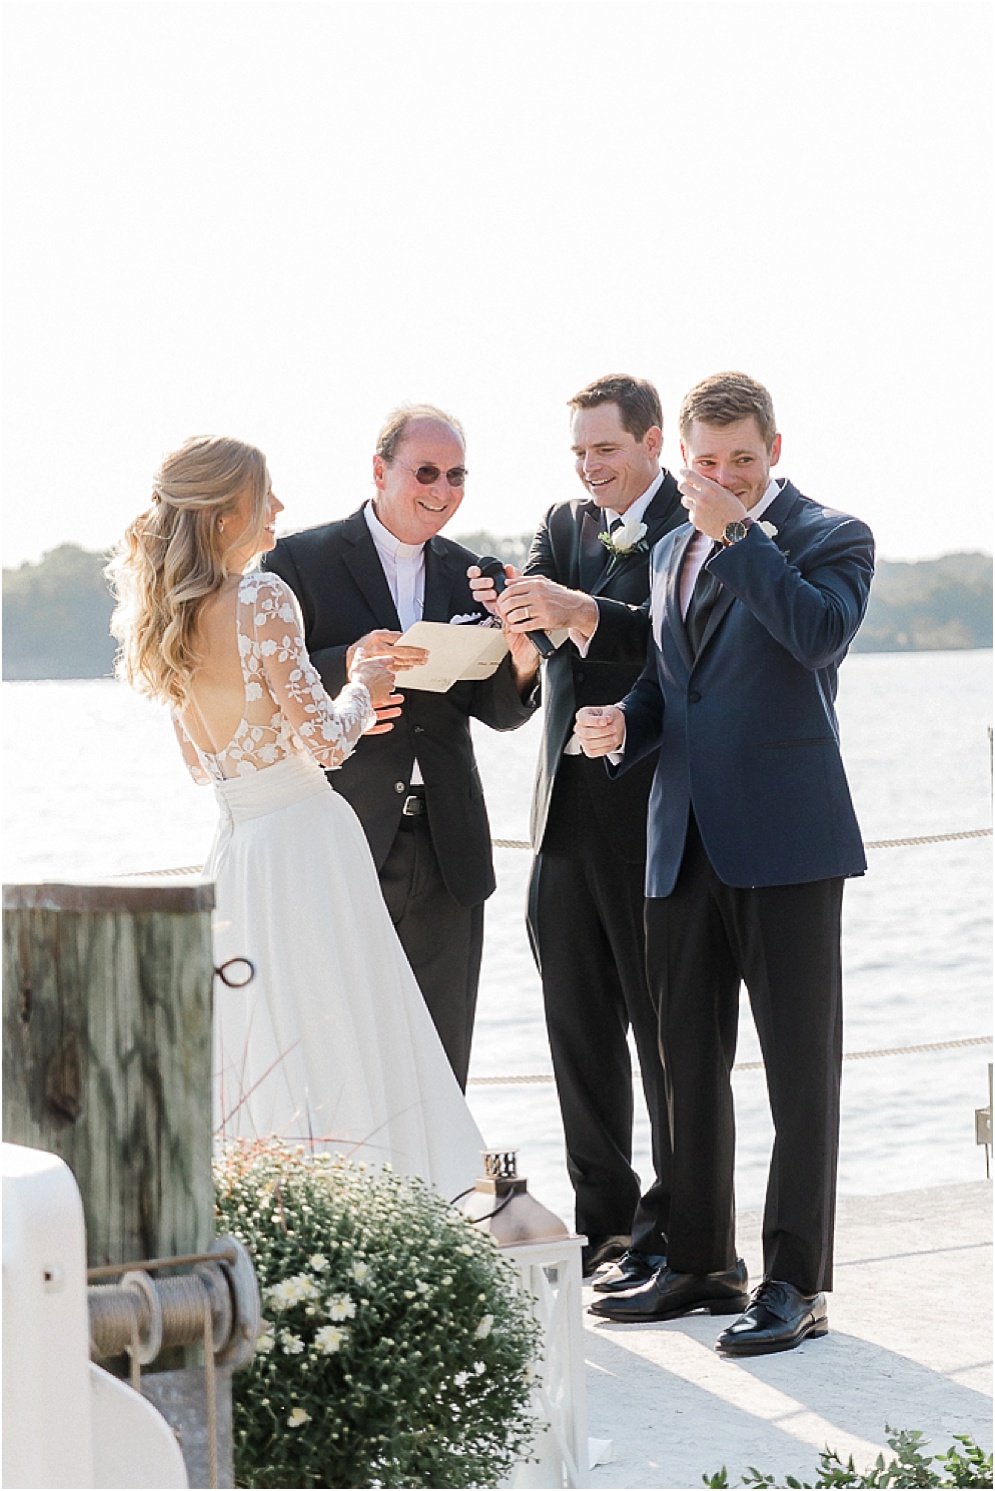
x=331 y=1043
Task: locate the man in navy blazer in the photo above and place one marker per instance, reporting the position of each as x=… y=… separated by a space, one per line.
x=751 y=834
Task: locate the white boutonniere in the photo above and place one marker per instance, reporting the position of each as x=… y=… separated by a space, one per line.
x=768 y=528
x=471 y=618
x=628 y=538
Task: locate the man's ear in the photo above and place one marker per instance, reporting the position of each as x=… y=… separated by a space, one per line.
x=653 y=441
x=378 y=472
x=775 y=451
x=684 y=456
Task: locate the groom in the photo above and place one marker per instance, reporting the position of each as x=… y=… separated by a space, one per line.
x=752 y=833
x=415 y=786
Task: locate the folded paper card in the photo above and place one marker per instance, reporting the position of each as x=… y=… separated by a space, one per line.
x=455 y=653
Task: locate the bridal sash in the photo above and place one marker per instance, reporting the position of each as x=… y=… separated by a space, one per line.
x=278 y=786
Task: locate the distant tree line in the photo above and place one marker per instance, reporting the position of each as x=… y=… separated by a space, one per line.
x=56 y=612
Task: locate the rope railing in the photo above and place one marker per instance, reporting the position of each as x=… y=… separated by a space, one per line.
x=966 y=833
x=544 y=1078
x=535 y=1079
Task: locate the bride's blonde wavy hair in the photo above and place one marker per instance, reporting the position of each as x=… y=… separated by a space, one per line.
x=175 y=555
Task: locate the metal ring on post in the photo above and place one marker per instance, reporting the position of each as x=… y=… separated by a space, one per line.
x=236 y=983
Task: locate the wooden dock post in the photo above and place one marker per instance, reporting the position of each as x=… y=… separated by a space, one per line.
x=107 y=1054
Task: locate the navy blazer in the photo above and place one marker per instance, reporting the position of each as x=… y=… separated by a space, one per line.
x=747 y=731
x=336 y=574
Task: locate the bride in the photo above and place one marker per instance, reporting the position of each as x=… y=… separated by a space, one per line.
x=331 y=1043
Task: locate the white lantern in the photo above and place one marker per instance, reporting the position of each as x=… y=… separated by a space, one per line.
x=548 y=1260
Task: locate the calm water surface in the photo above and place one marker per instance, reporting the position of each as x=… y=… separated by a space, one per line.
x=95 y=787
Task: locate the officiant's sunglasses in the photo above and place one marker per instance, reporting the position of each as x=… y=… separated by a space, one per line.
x=427 y=474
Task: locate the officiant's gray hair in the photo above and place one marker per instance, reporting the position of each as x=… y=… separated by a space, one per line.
x=397 y=421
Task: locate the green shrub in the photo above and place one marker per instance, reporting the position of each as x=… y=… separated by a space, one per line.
x=967 y=1466
x=397 y=1347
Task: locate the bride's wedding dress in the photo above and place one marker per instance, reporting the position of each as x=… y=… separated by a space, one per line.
x=331 y=1044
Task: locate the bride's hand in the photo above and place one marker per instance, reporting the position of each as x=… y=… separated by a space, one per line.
x=377 y=673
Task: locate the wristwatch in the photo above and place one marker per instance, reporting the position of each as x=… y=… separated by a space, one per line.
x=736 y=530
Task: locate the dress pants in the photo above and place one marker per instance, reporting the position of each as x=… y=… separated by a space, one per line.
x=442 y=940
x=784 y=943
x=585 y=923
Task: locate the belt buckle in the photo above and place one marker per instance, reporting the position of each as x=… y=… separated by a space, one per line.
x=413 y=806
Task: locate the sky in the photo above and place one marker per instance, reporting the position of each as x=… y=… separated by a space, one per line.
x=279 y=221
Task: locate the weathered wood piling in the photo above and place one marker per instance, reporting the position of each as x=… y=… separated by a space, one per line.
x=107 y=1054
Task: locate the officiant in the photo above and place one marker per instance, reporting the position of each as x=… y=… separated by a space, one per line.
x=413 y=781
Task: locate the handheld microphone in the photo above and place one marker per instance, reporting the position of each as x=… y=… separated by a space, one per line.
x=493 y=569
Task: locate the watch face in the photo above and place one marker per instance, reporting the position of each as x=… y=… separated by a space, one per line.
x=735 y=531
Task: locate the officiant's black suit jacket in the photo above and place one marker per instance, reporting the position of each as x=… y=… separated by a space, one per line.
x=336 y=574
x=567 y=549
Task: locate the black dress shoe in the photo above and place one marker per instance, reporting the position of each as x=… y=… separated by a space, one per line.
x=631 y=1270
x=668 y=1295
x=778 y=1317
x=599 y=1250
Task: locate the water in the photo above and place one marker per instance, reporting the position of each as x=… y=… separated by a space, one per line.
x=95 y=787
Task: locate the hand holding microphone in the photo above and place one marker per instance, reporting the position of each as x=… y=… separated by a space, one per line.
x=534 y=605
x=516 y=613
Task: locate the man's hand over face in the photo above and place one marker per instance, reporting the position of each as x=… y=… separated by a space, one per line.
x=600 y=729
x=709 y=506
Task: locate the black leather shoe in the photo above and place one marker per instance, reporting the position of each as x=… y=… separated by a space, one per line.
x=599 y=1250
x=631 y=1270
x=668 y=1295
x=777 y=1318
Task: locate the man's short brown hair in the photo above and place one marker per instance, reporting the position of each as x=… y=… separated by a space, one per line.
x=725 y=399
x=637 y=400
x=397 y=421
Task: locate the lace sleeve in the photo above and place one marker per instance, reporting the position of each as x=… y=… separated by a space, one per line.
x=193 y=761
x=329 y=728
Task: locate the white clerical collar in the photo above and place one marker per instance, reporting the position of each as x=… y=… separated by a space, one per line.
x=636 y=511
x=385 y=540
x=773 y=490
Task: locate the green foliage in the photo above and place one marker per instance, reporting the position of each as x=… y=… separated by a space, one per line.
x=512 y=550
x=935 y=605
x=56 y=617
x=968 y=1466
x=56 y=613
x=397 y=1348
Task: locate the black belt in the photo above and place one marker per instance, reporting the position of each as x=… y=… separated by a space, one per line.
x=414 y=805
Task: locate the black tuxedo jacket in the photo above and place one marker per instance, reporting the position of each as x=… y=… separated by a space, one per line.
x=336 y=574
x=567 y=549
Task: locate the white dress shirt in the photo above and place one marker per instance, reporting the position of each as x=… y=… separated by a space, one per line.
x=404 y=568
x=636 y=511
x=694 y=558
x=698 y=549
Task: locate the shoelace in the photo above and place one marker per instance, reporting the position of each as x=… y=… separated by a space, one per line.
x=773 y=1295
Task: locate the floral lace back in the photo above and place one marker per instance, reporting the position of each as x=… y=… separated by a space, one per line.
x=287 y=711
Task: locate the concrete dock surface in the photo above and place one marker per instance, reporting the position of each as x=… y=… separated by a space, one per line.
x=909 y=1345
